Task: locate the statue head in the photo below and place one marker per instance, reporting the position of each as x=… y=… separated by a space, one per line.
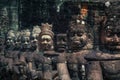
x=25 y=39
x=61 y=42
x=77 y=37
x=10 y=38
x=46 y=37
x=110 y=30
x=34 y=41
x=34 y=37
x=17 y=40
x=110 y=35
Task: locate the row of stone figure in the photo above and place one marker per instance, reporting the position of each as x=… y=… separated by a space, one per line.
x=40 y=55
x=69 y=57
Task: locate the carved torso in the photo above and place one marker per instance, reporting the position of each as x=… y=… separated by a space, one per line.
x=78 y=57
x=77 y=64
x=109 y=64
x=111 y=69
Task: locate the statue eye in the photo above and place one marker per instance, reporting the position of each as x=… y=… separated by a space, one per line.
x=48 y=40
x=64 y=39
x=27 y=40
x=109 y=34
x=80 y=33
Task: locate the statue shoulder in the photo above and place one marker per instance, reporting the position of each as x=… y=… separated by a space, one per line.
x=93 y=55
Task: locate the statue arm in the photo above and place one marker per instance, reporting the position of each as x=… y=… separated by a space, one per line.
x=94 y=71
x=62 y=67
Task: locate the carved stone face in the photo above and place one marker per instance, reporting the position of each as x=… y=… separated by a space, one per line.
x=10 y=42
x=110 y=37
x=25 y=42
x=17 y=43
x=17 y=40
x=61 y=42
x=10 y=38
x=78 y=38
x=46 y=42
x=34 y=41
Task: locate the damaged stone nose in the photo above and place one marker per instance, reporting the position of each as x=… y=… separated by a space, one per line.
x=44 y=42
x=35 y=40
x=26 y=43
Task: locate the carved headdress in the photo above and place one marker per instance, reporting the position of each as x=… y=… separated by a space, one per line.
x=76 y=25
x=112 y=8
x=46 y=29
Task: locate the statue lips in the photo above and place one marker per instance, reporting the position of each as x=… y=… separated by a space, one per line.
x=46 y=46
x=113 y=46
x=61 y=47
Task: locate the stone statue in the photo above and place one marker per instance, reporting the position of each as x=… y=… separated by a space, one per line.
x=61 y=49
x=104 y=64
x=9 y=47
x=46 y=47
x=79 y=44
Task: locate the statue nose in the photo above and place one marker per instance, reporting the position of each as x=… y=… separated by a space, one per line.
x=26 y=42
x=76 y=37
x=62 y=42
x=45 y=42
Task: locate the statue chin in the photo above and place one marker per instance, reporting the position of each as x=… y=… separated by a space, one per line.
x=78 y=45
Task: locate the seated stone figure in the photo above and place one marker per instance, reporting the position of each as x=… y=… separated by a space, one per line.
x=25 y=45
x=34 y=38
x=9 y=47
x=79 y=44
x=46 y=48
x=104 y=64
x=34 y=58
x=17 y=66
x=61 y=49
x=30 y=61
